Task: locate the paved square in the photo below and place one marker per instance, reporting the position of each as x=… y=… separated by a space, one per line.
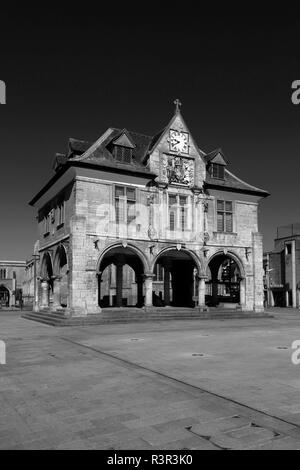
x=167 y=385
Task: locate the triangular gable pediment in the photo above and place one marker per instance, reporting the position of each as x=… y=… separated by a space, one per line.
x=219 y=159
x=124 y=141
x=177 y=123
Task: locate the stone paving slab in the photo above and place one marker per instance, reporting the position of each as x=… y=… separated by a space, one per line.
x=95 y=388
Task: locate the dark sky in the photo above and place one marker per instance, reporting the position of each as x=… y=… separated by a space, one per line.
x=73 y=74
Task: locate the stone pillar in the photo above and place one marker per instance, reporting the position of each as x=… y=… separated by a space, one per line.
x=287 y=298
x=270 y=298
x=56 y=293
x=44 y=294
x=148 y=279
x=119 y=283
x=201 y=293
x=99 y=281
x=167 y=268
x=243 y=293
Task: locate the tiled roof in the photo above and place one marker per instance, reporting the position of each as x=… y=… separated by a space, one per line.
x=102 y=155
x=78 y=147
x=232 y=182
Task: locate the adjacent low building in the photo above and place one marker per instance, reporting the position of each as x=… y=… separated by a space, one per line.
x=282 y=268
x=12 y=276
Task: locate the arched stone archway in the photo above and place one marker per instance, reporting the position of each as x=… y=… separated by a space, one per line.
x=46 y=271
x=121 y=271
x=60 y=278
x=46 y=281
x=176 y=277
x=225 y=285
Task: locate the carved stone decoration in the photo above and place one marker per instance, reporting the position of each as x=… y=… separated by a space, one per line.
x=52 y=216
x=150 y=199
x=206 y=238
x=247 y=253
x=205 y=206
x=164 y=169
x=96 y=241
x=152 y=234
x=180 y=170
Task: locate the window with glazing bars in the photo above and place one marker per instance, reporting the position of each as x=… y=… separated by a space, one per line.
x=225 y=216
x=123 y=154
x=125 y=201
x=217 y=171
x=2 y=273
x=47 y=223
x=61 y=213
x=172 y=212
x=183 y=212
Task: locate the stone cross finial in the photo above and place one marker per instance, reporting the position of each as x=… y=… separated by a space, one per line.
x=177 y=104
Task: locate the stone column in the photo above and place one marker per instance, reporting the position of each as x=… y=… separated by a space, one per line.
x=201 y=292
x=99 y=281
x=270 y=296
x=56 y=293
x=44 y=293
x=243 y=293
x=287 y=298
x=148 y=279
x=119 y=283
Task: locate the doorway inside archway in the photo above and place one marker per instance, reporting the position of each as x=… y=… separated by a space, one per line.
x=223 y=284
x=174 y=282
x=120 y=279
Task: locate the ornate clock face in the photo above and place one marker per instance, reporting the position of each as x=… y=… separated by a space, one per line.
x=179 y=141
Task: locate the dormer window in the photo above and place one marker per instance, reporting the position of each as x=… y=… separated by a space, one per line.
x=123 y=148
x=122 y=154
x=217 y=171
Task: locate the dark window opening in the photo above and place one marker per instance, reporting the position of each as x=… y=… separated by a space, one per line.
x=122 y=154
x=217 y=171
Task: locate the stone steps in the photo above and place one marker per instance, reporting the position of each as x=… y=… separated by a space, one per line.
x=137 y=316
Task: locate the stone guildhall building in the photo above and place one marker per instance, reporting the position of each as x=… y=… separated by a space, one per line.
x=147 y=222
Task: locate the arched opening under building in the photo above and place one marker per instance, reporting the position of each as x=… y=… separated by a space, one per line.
x=223 y=284
x=120 y=279
x=46 y=267
x=175 y=279
x=4 y=296
x=60 y=283
x=46 y=284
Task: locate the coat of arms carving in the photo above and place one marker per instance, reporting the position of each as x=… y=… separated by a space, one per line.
x=180 y=170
